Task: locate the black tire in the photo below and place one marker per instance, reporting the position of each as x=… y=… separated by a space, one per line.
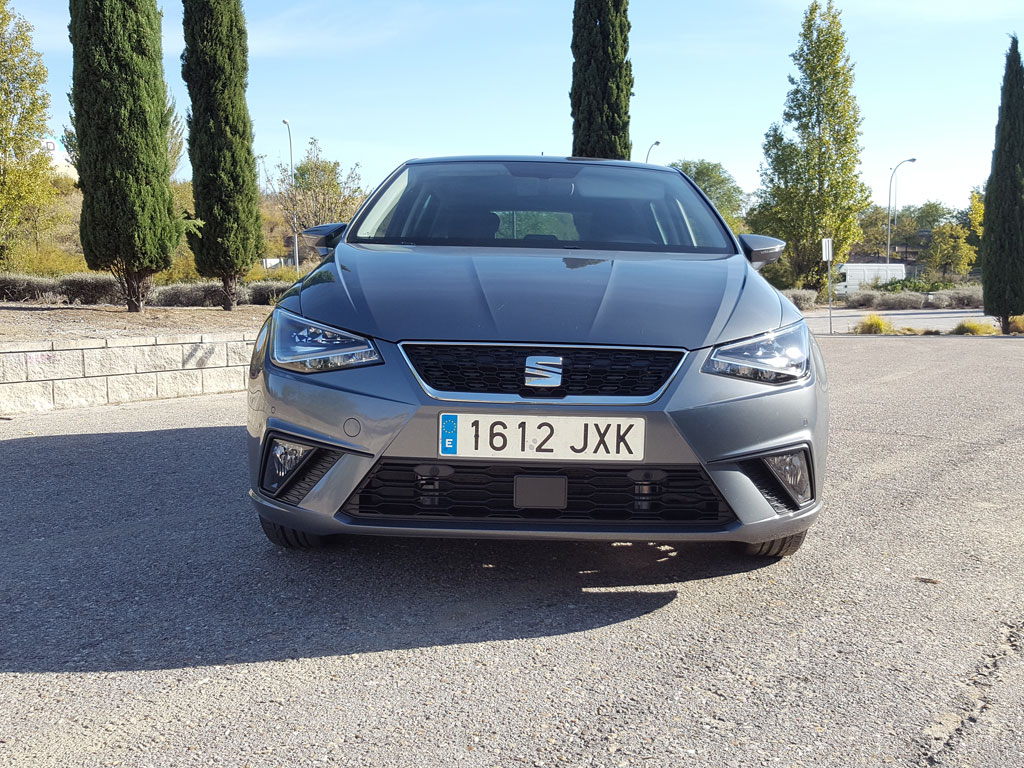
x=783 y=547
x=290 y=538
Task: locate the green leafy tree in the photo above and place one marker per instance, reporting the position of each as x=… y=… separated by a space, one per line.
x=976 y=219
x=129 y=225
x=949 y=252
x=810 y=182
x=930 y=214
x=872 y=226
x=320 y=191
x=720 y=187
x=976 y=213
x=215 y=67
x=907 y=225
x=971 y=219
x=25 y=169
x=602 y=79
x=1002 y=245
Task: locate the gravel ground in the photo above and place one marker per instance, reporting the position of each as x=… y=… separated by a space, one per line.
x=21 y=322
x=147 y=622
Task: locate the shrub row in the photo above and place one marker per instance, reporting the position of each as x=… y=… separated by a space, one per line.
x=960 y=298
x=102 y=288
x=204 y=294
x=879 y=300
x=14 y=287
x=89 y=288
x=803 y=299
x=915 y=284
x=968 y=298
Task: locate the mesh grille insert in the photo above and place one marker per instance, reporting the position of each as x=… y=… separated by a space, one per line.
x=678 y=496
x=308 y=475
x=500 y=370
x=769 y=486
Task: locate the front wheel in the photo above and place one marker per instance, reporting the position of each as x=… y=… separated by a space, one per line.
x=290 y=538
x=783 y=547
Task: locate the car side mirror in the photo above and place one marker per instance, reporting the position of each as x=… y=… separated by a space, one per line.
x=761 y=249
x=324 y=237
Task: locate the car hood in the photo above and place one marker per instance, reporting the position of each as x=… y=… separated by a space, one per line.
x=402 y=293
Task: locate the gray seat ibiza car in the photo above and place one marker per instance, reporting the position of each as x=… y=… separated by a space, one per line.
x=554 y=348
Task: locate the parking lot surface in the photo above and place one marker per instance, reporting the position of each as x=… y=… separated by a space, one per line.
x=145 y=620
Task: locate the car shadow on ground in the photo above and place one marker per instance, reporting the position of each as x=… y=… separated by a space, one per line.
x=140 y=551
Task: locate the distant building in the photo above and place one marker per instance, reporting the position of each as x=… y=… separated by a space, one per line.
x=61 y=159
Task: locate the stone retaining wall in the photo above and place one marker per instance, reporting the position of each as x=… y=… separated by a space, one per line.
x=44 y=375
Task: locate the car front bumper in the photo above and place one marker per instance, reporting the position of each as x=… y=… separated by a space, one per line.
x=380 y=413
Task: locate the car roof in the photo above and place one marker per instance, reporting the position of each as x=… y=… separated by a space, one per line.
x=534 y=159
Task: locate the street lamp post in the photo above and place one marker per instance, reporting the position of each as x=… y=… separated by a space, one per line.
x=291 y=177
x=888 y=210
x=655 y=144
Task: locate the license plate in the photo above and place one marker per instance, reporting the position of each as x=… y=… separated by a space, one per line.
x=556 y=438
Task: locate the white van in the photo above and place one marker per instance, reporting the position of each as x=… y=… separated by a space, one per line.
x=858 y=275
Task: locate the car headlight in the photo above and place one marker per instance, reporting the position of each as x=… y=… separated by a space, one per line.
x=307 y=347
x=778 y=357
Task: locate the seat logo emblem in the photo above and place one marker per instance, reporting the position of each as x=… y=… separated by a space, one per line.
x=543 y=371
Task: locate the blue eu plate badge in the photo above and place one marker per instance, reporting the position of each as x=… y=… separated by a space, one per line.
x=449 y=433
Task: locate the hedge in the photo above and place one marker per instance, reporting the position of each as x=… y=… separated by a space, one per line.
x=102 y=288
x=85 y=288
x=969 y=297
x=905 y=300
x=860 y=299
x=14 y=287
x=200 y=294
x=267 y=291
x=801 y=298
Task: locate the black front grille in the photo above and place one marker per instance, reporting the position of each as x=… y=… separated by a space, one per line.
x=501 y=370
x=401 y=489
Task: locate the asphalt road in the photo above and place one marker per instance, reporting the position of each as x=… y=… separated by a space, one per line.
x=145 y=621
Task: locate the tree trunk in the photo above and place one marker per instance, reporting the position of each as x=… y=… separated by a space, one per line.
x=135 y=290
x=230 y=283
x=1004 y=321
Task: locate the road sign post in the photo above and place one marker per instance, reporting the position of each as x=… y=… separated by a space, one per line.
x=826 y=256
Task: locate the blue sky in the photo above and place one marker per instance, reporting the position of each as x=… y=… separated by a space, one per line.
x=381 y=82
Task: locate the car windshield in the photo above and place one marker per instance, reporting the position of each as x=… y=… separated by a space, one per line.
x=530 y=204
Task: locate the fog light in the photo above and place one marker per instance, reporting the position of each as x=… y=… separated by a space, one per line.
x=793 y=471
x=283 y=458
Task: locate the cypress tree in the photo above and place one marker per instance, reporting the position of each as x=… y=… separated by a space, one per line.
x=119 y=98
x=224 y=183
x=1002 y=244
x=602 y=79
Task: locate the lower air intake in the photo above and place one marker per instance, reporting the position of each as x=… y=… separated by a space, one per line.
x=680 y=497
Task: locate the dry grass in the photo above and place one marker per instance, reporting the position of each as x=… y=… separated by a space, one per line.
x=975 y=328
x=874 y=324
